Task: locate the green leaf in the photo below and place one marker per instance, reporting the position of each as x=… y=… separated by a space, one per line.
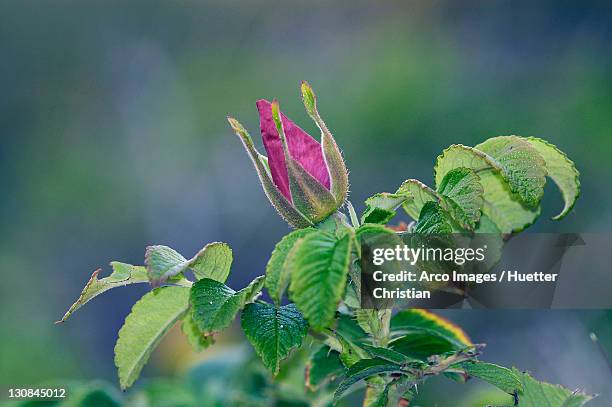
x=323 y=365
x=420 y=319
x=501 y=205
x=462 y=196
x=522 y=165
x=163 y=262
x=123 y=274
x=418 y=195
x=277 y=271
x=561 y=170
x=195 y=337
x=348 y=327
x=213 y=261
x=377 y=396
x=433 y=220
x=362 y=370
x=499 y=376
x=150 y=319
x=380 y=208
x=372 y=229
x=350 y=353
x=420 y=344
x=538 y=394
x=386 y=354
x=215 y=305
x=273 y=331
x=320 y=265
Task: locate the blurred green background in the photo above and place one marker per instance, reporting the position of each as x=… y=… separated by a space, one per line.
x=114 y=137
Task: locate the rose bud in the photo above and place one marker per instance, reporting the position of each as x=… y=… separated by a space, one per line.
x=306 y=181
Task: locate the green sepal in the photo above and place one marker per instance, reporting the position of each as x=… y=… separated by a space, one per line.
x=331 y=152
x=309 y=196
x=284 y=208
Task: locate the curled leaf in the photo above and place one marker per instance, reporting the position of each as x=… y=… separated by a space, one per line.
x=123 y=274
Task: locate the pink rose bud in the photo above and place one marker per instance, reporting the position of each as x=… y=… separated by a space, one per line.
x=306 y=181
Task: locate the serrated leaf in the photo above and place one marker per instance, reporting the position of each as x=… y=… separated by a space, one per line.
x=538 y=394
x=501 y=205
x=123 y=274
x=522 y=165
x=462 y=196
x=420 y=319
x=561 y=170
x=387 y=354
x=380 y=208
x=163 y=262
x=362 y=370
x=418 y=194
x=213 y=261
x=322 y=366
x=149 y=320
x=433 y=220
x=277 y=271
x=320 y=265
x=195 y=337
x=215 y=305
x=273 y=331
x=499 y=376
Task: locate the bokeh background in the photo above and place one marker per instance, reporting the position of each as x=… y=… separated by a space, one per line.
x=113 y=137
